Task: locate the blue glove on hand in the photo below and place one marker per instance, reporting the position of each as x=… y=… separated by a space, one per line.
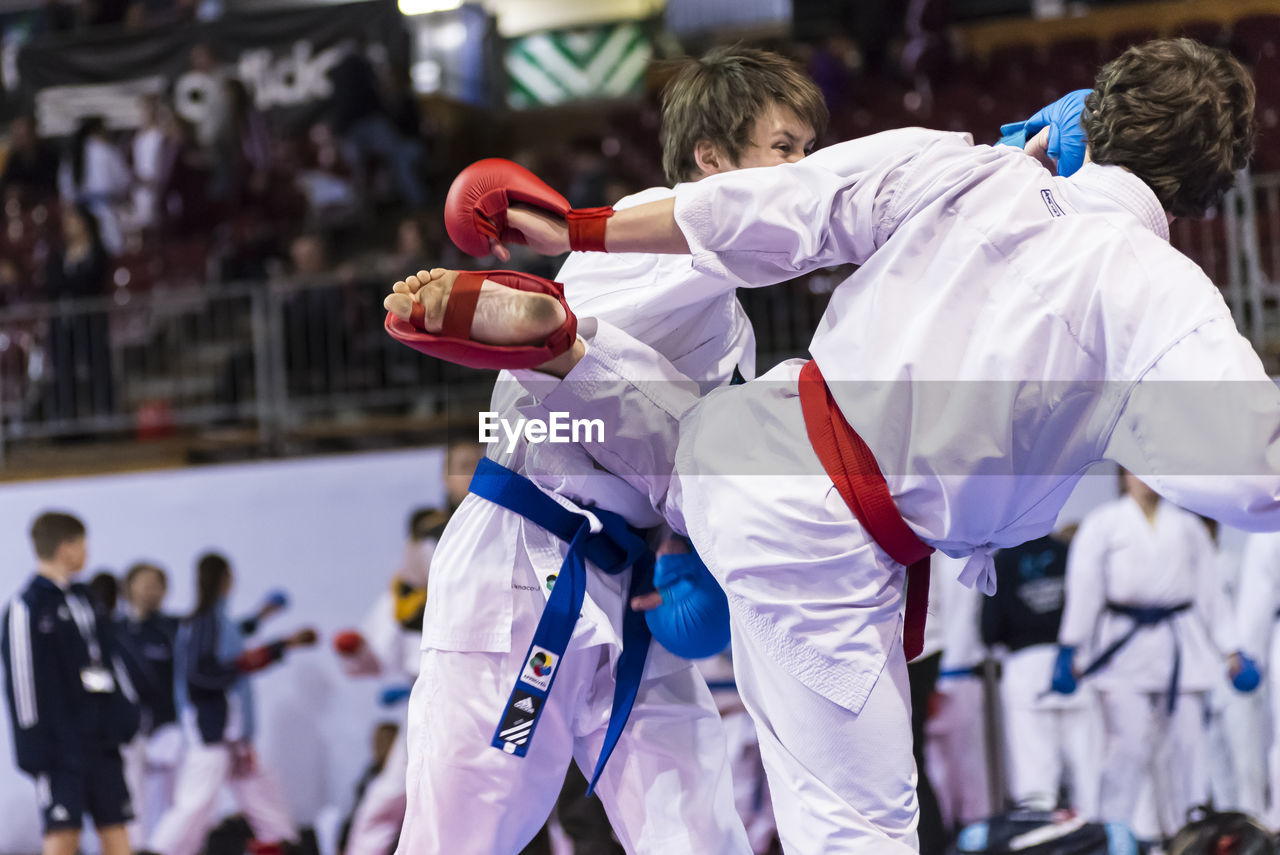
x=693 y=620
x=1064 y=679
x=1248 y=677
x=276 y=600
x=1066 y=136
x=392 y=695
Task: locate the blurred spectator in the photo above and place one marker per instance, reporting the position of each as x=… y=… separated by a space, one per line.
x=10 y=283
x=384 y=734
x=241 y=149
x=833 y=65
x=105 y=590
x=78 y=344
x=200 y=97
x=96 y=175
x=360 y=120
x=410 y=254
x=183 y=180
x=148 y=162
x=325 y=180
x=32 y=164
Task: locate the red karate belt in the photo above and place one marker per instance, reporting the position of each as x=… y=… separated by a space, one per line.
x=853 y=469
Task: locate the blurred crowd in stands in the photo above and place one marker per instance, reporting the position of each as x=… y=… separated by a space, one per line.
x=229 y=194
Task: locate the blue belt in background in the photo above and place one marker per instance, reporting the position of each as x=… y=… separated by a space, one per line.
x=1143 y=616
x=612 y=550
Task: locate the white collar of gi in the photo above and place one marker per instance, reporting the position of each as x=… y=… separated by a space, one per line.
x=1122 y=186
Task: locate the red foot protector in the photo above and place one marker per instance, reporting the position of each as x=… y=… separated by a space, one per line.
x=453 y=343
x=475 y=210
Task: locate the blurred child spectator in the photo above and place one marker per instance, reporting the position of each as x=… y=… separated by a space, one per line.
x=96 y=175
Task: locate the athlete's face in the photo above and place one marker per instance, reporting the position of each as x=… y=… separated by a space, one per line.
x=779 y=136
x=73 y=554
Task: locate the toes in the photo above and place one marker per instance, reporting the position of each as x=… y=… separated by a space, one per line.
x=400 y=305
x=401 y=288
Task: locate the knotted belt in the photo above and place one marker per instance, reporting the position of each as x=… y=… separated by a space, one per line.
x=853 y=469
x=1143 y=616
x=612 y=550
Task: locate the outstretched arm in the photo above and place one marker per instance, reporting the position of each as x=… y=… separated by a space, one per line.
x=769 y=224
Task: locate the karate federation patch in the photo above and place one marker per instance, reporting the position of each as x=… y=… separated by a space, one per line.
x=540 y=668
x=517 y=723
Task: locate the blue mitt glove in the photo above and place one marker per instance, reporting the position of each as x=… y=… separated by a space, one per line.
x=1064 y=679
x=276 y=600
x=392 y=695
x=1066 y=136
x=693 y=620
x=1248 y=677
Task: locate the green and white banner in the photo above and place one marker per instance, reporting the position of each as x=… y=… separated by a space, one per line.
x=608 y=61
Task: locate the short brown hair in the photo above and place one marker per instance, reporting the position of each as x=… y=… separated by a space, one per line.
x=52 y=529
x=1177 y=114
x=719 y=98
x=145 y=567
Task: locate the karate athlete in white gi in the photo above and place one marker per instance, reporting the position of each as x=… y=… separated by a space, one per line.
x=1006 y=329
x=1257 y=611
x=667 y=787
x=387 y=648
x=1049 y=737
x=1237 y=719
x=1142 y=592
x=957 y=737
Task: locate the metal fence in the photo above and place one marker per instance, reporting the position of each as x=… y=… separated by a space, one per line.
x=272 y=360
x=267 y=358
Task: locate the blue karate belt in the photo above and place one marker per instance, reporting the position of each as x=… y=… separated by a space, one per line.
x=1143 y=616
x=614 y=549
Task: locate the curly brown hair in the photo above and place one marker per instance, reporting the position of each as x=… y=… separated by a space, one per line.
x=719 y=98
x=1177 y=114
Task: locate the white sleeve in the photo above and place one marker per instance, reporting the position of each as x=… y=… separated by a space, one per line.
x=1256 y=601
x=769 y=224
x=1210 y=590
x=1086 y=586
x=1202 y=428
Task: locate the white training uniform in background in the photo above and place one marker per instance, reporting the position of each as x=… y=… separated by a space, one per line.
x=1049 y=738
x=750 y=790
x=1257 y=610
x=1237 y=732
x=666 y=787
x=957 y=736
x=1120 y=557
x=392 y=653
x=976 y=265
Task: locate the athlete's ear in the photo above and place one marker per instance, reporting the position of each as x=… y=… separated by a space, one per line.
x=709 y=159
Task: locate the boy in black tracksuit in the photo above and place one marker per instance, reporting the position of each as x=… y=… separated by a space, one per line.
x=71 y=703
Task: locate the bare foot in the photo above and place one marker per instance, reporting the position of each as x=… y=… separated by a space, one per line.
x=504 y=316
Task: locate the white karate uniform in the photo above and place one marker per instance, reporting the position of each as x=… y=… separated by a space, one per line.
x=976 y=265
x=957 y=735
x=1237 y=731
x=1257 y=609
x=1049 y=737
x=391 y=652
x=1118 y=556
x=667 y=786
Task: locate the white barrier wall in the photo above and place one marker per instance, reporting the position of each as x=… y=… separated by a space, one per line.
x=329 y=531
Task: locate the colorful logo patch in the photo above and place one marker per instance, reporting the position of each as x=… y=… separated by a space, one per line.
x=540 y=668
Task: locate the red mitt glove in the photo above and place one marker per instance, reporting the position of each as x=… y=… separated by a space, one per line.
x=475 y=211
x=348 y=643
